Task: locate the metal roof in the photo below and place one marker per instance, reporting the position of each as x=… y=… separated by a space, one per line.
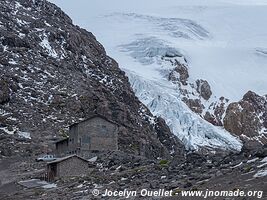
x=96 y=115
x=66 y=158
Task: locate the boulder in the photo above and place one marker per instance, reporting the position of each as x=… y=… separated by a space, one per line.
x=179 y=74
x=203 y=88
x=4 y=91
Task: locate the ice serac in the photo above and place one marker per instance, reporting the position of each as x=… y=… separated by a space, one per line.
x=53 y=74
x=196 y=133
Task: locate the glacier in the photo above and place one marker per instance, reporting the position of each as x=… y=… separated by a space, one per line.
x=222 y=41
x=164 y=100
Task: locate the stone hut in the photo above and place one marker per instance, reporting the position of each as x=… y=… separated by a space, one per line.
x=69 y=166
x=96 y=133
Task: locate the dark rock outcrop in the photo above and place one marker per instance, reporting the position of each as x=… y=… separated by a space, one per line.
x=194 y=104
x=217 y=110
x=58 y=74
x=4 y=92
x=248 y=118
x=179 y=73
x=203 y=88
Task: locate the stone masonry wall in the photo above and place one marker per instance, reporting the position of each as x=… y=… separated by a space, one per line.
x=98 y=134
x=72 y=167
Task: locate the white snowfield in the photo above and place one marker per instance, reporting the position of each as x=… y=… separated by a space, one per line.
x=223 y=42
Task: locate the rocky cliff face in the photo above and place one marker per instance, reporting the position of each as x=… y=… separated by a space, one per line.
x=248 y=119
x=54 y=73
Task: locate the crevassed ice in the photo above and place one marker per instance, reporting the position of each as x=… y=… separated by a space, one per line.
x=163 y=100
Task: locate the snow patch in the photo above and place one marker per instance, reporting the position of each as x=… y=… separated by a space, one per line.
x=46 y=45
x=264 y=161
x=10 y=132
x=252 y=160
x=24 y=135
x=261 y=173
x=49 y=185
x=33 y=183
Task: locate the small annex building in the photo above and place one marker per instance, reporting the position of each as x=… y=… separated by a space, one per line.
x=96 y=133
x=69 y=166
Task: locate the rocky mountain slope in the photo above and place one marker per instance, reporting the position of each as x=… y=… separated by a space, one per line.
x=53 y=74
